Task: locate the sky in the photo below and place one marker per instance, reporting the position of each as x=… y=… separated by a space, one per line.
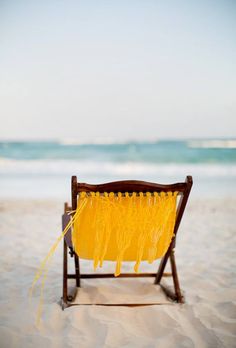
x=117 y=69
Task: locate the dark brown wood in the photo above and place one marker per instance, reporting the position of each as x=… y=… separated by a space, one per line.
x=183 y=202
x=74 y=193
x=162 y=265
x=66 y=243
x=178 y=293
x=111 y=275
x=77 y=270
x=183 y=188
x=65 y=273
x=119 y=304
x=130 y=186
x=65 y=220
x=180 y=210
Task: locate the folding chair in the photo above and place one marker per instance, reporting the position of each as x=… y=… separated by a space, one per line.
x=130 y=186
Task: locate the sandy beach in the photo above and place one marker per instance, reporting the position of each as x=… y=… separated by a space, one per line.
x=112 y=91
x=206 y=263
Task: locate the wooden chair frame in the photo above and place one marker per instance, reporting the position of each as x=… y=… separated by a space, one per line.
x=183 y=188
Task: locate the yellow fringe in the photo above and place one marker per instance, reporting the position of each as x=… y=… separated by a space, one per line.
x=124 y=227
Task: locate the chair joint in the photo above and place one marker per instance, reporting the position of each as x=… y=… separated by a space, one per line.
x=71 y=252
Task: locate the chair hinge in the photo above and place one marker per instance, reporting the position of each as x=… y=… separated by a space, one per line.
x=71 y=252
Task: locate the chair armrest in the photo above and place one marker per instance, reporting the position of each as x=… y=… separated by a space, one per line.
x=65 y=220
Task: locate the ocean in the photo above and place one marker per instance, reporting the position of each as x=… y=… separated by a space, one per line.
x=42 y=170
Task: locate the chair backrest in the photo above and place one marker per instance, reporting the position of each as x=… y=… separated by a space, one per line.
x=130 y=186
x=89 y=243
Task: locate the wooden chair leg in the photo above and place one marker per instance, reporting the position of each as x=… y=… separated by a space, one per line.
x=77 y=270
x=161 y=269
x=179 y=296
x=64 y=303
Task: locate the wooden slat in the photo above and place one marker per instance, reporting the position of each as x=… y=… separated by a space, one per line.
x=130 y=186
x=111 y=275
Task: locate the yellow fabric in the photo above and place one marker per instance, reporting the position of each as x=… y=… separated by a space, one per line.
x=126 y=227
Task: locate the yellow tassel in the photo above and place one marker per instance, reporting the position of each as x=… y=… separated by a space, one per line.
x=125 y=227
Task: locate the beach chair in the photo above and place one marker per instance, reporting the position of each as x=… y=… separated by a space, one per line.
x=129 y=186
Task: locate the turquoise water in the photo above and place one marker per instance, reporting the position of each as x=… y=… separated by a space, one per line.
x=43 y=169
x=156 y=152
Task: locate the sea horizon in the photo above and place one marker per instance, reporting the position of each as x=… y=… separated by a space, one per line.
x=42 y=169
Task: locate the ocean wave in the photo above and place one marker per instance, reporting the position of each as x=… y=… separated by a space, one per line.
x=113 y=169
x=213 y=144
x=106 y=141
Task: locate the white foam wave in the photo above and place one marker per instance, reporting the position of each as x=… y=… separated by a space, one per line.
x=105 y=141
x=213 y=144
x=116 y=169
x=75 y=141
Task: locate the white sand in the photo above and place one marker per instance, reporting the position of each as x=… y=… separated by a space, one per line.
x=206 y=263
